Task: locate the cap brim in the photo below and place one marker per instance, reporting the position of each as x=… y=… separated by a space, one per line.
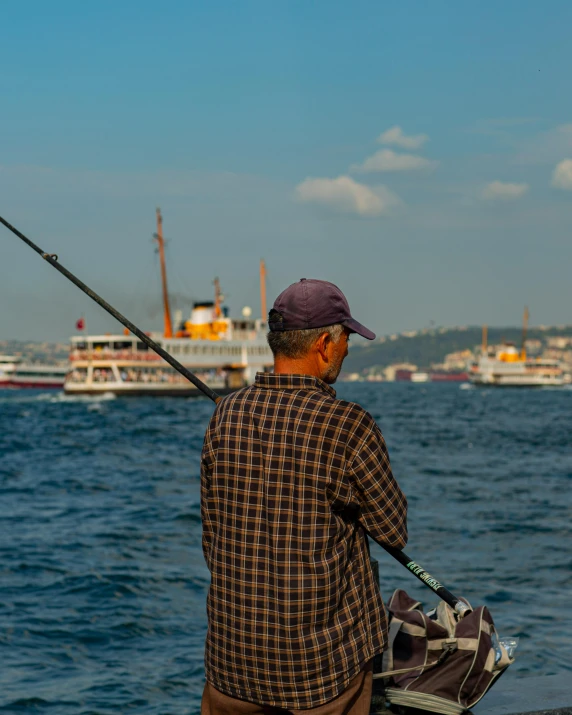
x=358 y=328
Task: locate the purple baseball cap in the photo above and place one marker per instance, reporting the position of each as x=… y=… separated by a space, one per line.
x=311 y=303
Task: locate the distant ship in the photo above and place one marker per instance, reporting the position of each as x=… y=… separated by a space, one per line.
x=14 y=373
x=507 y=366
x=225 y=353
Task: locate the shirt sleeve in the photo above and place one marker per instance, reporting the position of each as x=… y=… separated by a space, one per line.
x=207 y=462
x=383 y=506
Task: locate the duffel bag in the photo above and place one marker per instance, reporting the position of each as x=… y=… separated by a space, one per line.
x=438 y=662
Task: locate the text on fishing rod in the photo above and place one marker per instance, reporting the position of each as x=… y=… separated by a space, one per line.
x=424 y=576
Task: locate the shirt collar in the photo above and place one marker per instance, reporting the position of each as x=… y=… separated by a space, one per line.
x=292 y=382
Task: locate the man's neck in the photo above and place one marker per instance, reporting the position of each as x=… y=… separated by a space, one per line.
x=287 y=366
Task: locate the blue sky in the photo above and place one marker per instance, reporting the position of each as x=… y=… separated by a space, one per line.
x=417 y=154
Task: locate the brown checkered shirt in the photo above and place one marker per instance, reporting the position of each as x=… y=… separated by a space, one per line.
x=291 y=480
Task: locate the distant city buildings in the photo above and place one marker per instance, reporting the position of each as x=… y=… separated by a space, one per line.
x=559 y=342
x=31 y=352
x=454 y=361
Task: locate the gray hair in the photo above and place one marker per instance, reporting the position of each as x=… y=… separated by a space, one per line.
x=295 y=344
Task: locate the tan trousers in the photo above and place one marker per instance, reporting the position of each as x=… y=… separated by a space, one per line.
x=355 y=700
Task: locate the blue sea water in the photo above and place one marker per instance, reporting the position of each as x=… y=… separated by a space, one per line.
x=102 y=579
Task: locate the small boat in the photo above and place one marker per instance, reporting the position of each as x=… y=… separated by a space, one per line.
x=14 y=373
x=506 y=366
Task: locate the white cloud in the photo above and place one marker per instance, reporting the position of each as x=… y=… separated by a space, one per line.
x=389 y=160
x=345 y=194
x=562 y=176
x=396 y=137
x=504 y=191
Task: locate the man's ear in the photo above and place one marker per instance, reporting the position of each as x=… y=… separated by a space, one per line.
x=322 y=344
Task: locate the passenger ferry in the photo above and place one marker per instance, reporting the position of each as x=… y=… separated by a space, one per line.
x=14 y=373
x=506 y=366
x=225 y=353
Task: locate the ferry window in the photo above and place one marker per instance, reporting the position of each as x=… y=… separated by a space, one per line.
x=141 y=347
x=77 y=375
x=123 y=345
x=101 y=346
x=80 y=346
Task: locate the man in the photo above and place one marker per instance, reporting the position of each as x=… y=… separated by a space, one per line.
x=292 y=480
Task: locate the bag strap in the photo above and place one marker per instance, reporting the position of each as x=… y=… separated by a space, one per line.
x=449 y=646
x=394 y=627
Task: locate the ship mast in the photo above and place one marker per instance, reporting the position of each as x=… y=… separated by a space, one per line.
x=524 y=330
x=168 y=326
x=263 y=289
x=218 y=299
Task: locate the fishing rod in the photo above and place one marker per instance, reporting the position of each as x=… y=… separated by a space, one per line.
x=459 y=606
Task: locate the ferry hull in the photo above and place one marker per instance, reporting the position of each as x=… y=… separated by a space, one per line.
x=32 y=385
x=516 y=384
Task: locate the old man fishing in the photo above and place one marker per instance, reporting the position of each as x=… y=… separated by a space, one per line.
x=292 y=481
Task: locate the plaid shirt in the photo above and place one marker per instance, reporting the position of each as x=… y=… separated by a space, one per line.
x=291 y=479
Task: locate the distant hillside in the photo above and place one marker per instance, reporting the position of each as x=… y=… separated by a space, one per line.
x=431 y=346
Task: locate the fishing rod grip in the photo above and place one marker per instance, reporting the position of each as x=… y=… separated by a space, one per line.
x=460 y=607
